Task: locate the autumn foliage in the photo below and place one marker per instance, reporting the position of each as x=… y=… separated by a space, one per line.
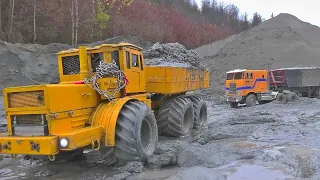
x=83 y=21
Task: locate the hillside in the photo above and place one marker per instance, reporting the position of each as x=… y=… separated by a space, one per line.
x=283 y=41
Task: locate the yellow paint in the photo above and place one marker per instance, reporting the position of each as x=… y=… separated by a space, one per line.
x=22 y=145
x=171 y=80
x=77 y=111
x=251 y=81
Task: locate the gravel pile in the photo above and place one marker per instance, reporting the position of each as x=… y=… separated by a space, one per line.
x=171 y=54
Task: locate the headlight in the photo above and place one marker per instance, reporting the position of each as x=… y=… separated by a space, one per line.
x=64 y=142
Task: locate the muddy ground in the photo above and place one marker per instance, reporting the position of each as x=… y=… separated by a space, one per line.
x=270 y=141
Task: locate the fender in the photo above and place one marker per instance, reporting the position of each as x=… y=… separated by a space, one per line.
x=106 y=116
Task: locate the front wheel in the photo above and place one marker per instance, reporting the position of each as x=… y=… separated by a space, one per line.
x=233 y=104
x=281 y=98
x=136 y=132
x=251 y=100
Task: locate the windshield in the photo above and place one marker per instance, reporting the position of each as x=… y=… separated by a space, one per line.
x=231 y=76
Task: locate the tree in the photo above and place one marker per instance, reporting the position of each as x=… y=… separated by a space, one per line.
x=257 y=19
x=245 y=22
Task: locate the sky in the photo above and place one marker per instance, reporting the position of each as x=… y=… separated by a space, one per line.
x=307 y=10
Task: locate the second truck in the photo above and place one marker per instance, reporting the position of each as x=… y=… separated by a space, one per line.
x=107 y=100
x=245 y=86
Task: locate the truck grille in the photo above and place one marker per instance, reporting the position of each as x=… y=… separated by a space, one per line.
x=26 y=99
x=233 y=88
x=71 y=65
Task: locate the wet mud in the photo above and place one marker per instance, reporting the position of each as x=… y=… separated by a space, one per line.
x=270 y=141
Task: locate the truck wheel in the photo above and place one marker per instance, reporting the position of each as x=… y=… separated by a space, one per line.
x=251 y=100
x=291 y=97
x=200 y=111
x=281 y=98
x=233 y=104
x=176 y=117
x=317 y=93
x=136 y=132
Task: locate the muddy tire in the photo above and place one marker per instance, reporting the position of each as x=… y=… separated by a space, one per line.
x=136 y=132
x=176 y=117
x=104 y=155
x=233 y=104
x=251 y=100
x=317 y=94
x=291 y=97
x=200 y=111
x=281 y=98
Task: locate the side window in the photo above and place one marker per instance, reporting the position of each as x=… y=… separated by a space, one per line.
x=135 y=62
x=262 y=76
x=115 y=57
x=96 y=58
x=141 y=64
x=128 y=59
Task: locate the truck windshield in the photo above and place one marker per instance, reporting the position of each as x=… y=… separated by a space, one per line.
x=231 y=76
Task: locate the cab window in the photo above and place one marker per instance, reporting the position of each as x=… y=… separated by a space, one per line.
x=238 y=75
x=230 y=76
x=249 y=75
x=135 y=62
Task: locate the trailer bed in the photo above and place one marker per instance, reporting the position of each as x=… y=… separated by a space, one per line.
x=173 y=80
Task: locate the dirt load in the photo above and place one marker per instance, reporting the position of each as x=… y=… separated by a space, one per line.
x=283 y=41
x=171 y=54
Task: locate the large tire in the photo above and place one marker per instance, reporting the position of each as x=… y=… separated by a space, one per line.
x=136 y=132
x=317 y=94
x=251 y=100
x=200 y=111
x=233 y=104
x=176 y=117
x=281 y=98
x=291 y=97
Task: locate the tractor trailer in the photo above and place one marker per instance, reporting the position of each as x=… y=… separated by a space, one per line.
x=107 y=100
x=248 y=87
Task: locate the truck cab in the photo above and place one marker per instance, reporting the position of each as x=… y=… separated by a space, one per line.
x=245 y=86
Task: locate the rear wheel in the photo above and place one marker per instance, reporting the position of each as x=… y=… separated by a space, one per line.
x=200 y=111
x=251 y=100
x=233 y=104
x=291 y=97
x=136 y=132
x=281 y=98
x=317 y=94
x=176 y=117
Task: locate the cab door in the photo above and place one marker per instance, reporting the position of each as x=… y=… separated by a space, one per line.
x=248 y=81
x=135 y=71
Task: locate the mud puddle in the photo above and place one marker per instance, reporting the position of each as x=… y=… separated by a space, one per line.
x=251 y=171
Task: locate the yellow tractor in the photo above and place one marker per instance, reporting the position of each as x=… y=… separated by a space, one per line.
x=106 y=99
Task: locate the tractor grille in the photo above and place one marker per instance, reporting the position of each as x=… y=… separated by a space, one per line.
x=71 y=65
x=29 y=125
x=26 y=99
x=233 y=88
x=30 y=119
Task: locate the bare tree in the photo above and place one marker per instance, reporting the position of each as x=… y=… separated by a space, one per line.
x=11 y=14
x=72 y=20
x=34 y=20
x=77 y=22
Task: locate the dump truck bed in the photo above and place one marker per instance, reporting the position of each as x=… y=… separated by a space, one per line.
x=301 y=77
x=173 y=80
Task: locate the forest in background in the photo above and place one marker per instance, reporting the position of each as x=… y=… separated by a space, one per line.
x=84 y=21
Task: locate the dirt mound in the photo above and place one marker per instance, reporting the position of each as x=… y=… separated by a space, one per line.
x=171 y=54
x=283 y=41
x=29 y=64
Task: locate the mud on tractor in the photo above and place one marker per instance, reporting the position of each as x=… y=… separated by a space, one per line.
x=106 y=100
